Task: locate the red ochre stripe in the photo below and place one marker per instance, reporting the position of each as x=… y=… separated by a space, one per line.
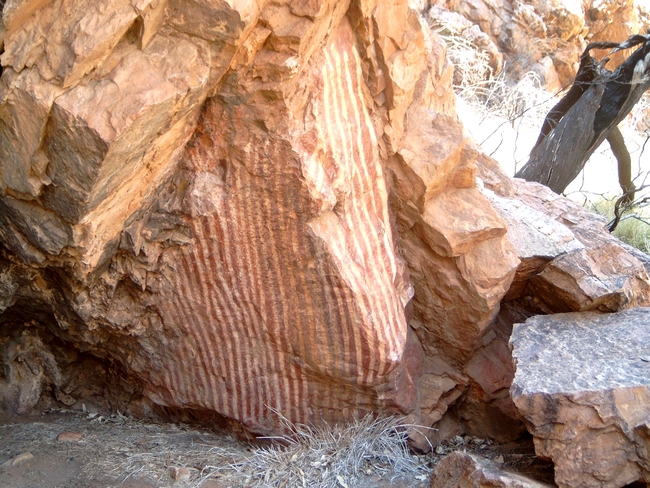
x=365 y=161
x=243 y=324
x=385 y=320
x=359 y=225
x=275 y=295
x=201 y=369
x=250 y=289
x=183 y=381
x=273 y=396
x=248 y=310
x=201 y=293
x=332 y=119
x=223 y=342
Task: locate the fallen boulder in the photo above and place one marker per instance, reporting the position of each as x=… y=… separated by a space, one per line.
x=472 y=471
x=582 y=383
x=605 y=276
x=568 y=263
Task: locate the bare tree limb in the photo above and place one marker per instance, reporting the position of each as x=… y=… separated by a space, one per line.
x=596 y=103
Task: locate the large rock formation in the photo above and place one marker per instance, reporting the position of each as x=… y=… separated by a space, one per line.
x=269 y=211
x=568 y=263
x=583 y=385
x=210 y=196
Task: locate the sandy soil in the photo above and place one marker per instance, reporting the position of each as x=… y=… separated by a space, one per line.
x=112 y=450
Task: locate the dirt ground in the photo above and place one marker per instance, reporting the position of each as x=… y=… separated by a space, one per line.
x=62 y=448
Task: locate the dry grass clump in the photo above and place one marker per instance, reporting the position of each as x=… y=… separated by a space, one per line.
x=471 y=64
x=338 y=456
x=489 y=95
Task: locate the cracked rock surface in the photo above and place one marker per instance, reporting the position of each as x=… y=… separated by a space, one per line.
x=582 y=383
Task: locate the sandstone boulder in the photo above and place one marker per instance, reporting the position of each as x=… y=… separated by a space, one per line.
x=582 y=385
x=237 y=202
x=461 y=469
x=537 y=238
x=599 y=275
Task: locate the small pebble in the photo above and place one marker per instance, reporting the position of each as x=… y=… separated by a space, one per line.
x=70 y=437
x=181 y=474
x=17 y=460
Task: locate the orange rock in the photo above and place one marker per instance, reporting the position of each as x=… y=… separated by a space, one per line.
x=263 y=210
x=473 y=471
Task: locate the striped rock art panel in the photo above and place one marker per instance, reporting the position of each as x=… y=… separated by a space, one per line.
x=290 y=297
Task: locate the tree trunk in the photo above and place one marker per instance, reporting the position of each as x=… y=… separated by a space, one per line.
x=590 y=113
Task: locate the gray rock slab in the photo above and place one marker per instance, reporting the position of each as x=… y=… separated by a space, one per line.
x=461 y=469
x=531 y=232
x=582 y=383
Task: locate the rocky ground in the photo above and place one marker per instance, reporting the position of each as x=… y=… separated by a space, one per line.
x=62 y=448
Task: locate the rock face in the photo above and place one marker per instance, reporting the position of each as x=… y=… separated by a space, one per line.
x=267 y=211
x=582 y=383
x=568 y=263
x=237 y=204
x=590 y=269
x=461 y=469
x=317 y=293
x=543 y=37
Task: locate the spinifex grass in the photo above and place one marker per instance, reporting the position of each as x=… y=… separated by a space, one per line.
x=338 y=456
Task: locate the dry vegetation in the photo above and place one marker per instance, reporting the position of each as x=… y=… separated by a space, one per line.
x=634 y=226
x=338 y=456
x=522 y=105
x=493 y=95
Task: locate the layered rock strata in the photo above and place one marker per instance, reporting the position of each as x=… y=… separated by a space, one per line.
x=581 y=383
